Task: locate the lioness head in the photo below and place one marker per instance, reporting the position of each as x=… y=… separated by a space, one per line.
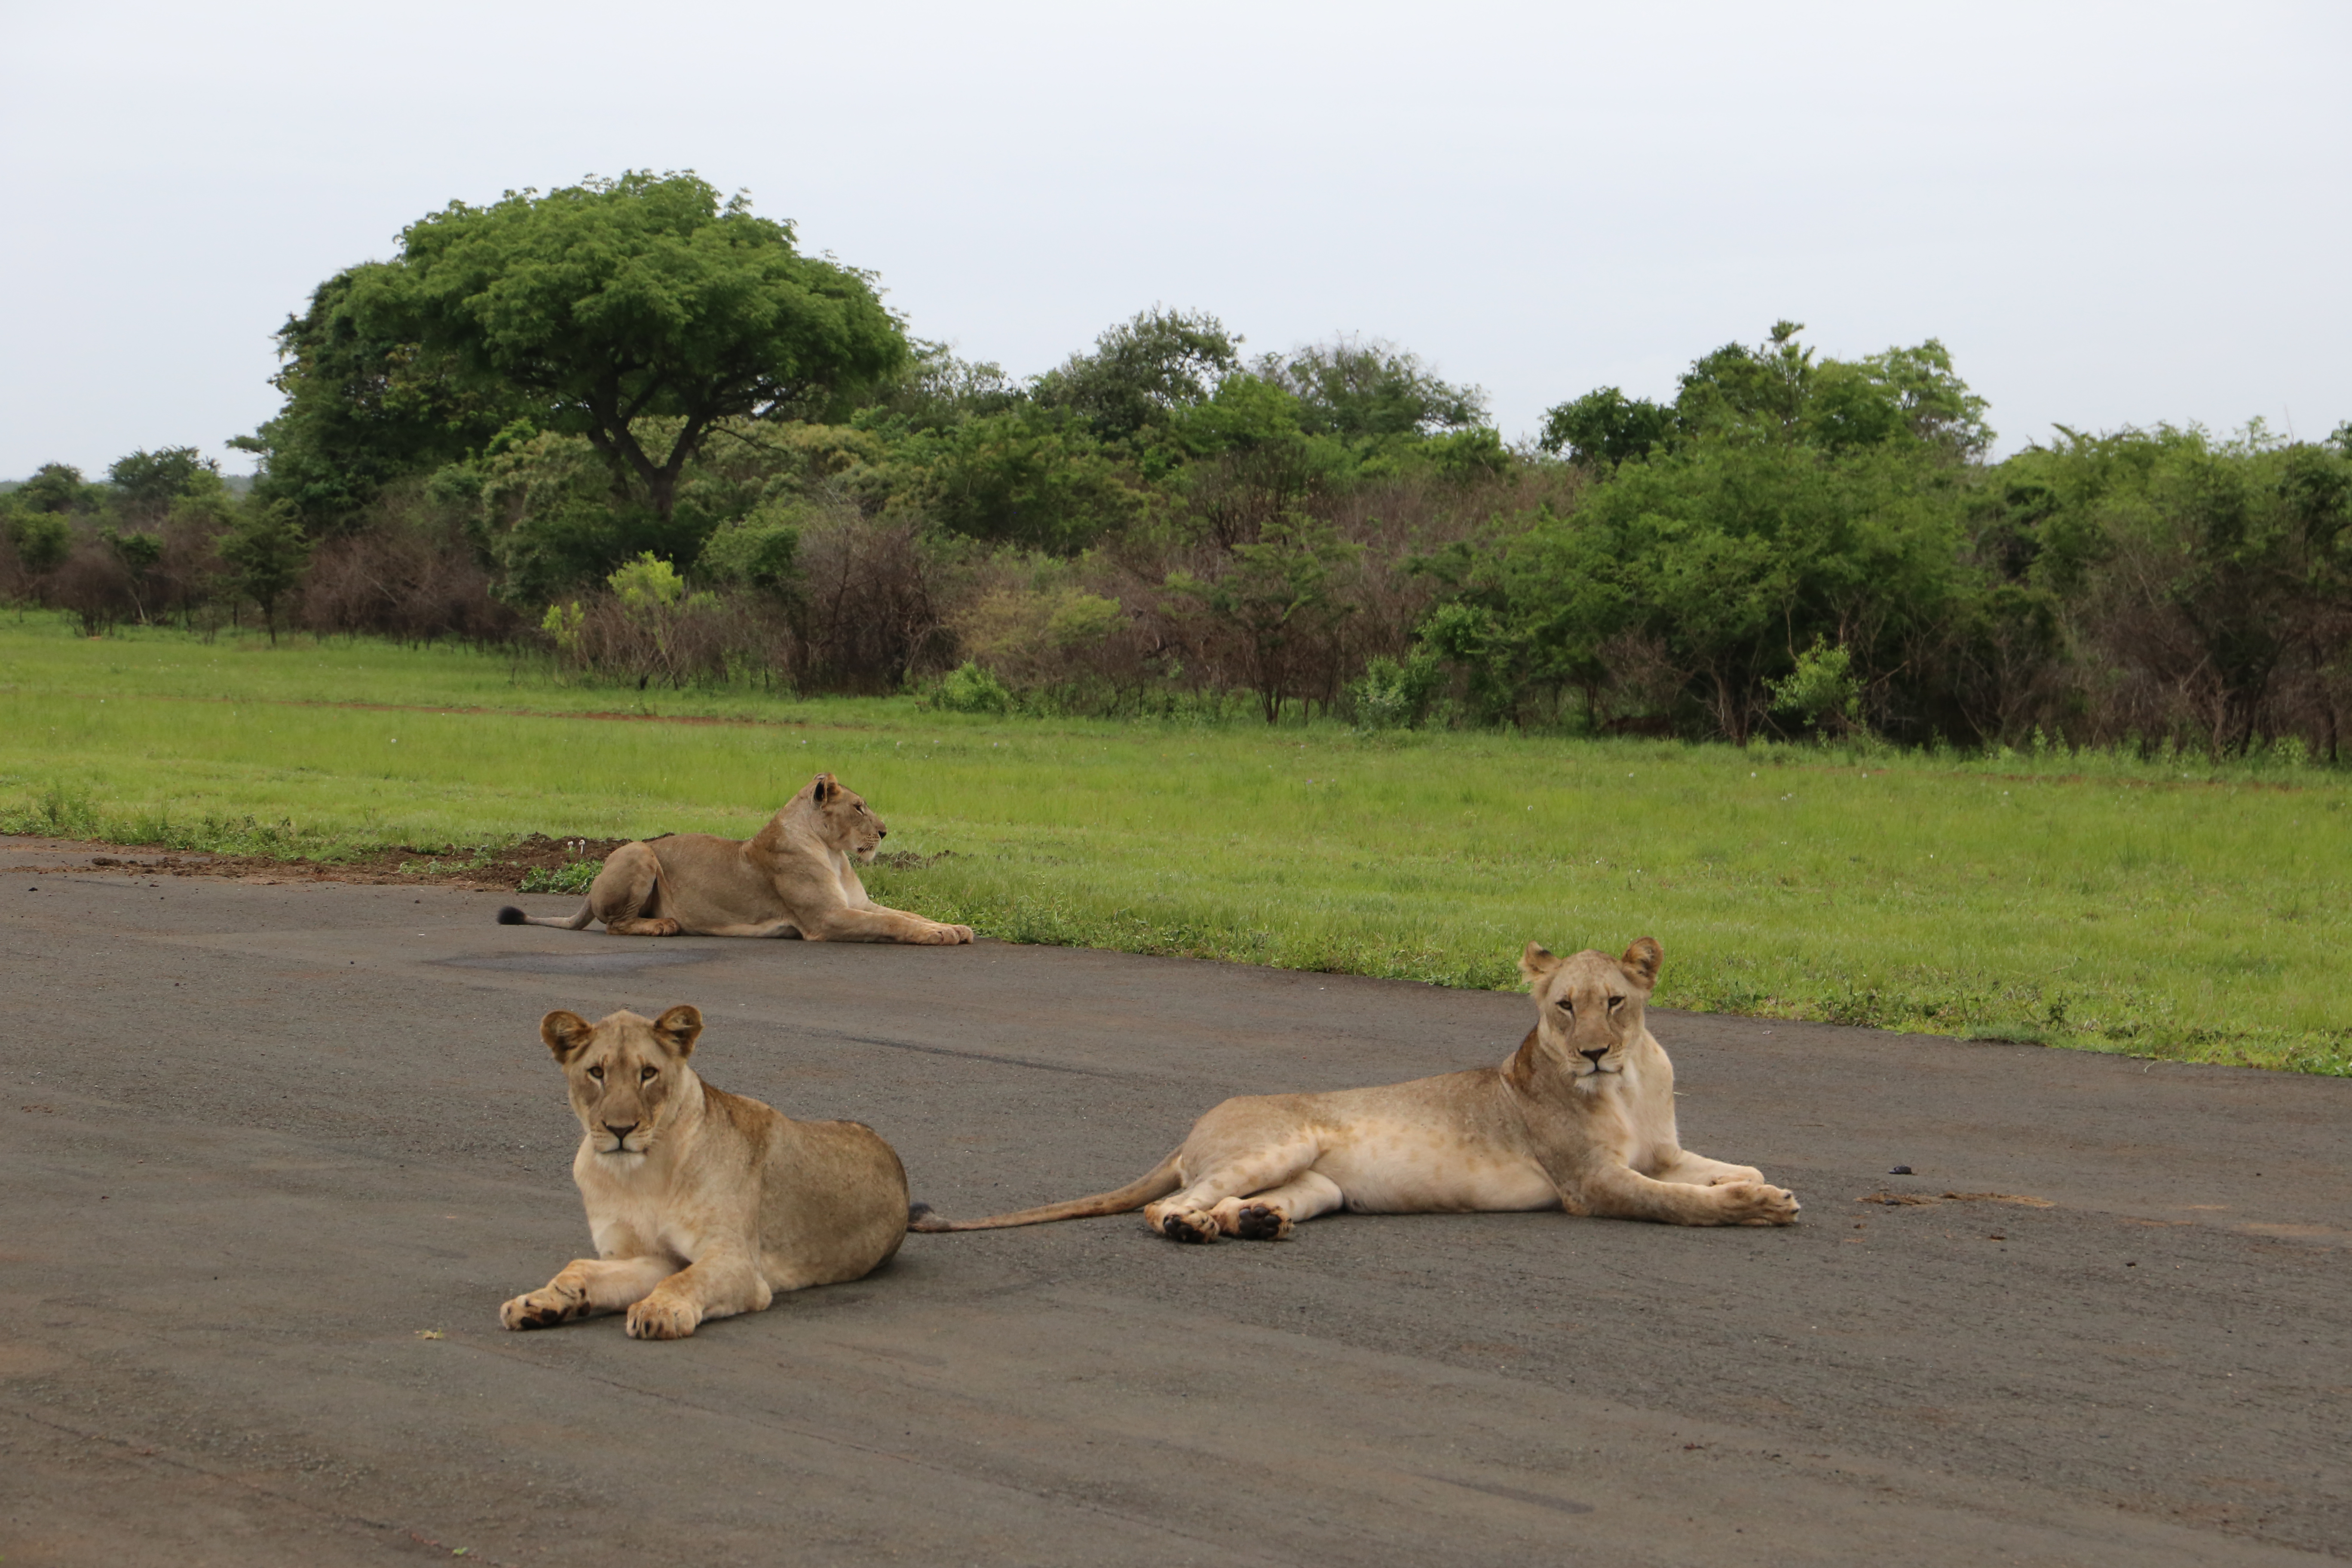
x=1588 y=1004
x=844 y=819
x=623 y=1071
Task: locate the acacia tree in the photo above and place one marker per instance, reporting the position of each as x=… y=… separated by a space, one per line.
x=638 y=299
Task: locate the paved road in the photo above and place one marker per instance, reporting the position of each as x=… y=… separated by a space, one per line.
x=258 y=1137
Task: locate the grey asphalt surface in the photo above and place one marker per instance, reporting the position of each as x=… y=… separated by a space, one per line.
x=260 y=1138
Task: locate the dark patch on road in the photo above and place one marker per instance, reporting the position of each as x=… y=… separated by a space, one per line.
x=1518 y=1494
x=1030 y=1063
x=632 y=960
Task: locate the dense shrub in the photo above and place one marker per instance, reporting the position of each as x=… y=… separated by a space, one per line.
x=969 y=688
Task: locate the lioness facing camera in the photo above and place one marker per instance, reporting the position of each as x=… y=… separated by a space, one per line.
x=703 y=1203
x=796 y=877
x=1581 y=1118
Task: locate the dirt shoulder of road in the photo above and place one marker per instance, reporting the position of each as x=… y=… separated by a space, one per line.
x=500 y=868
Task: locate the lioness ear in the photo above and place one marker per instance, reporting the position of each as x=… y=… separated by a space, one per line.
x=565 y=1034
x=1642 y=960
x=1536 y=962
x=817 y=790
x=679 y=1027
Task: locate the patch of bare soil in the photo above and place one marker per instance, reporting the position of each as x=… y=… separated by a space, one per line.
x=499 y=870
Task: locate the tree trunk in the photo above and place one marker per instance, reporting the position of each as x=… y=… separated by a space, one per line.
x=1730 y=711
x=661 y=488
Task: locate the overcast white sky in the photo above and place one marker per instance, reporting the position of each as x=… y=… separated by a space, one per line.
x=2113 y=214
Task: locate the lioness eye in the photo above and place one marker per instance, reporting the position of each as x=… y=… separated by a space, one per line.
x=1616 y=1002
x=647 y=1075
x=596 y=1073
x=1566 y=1006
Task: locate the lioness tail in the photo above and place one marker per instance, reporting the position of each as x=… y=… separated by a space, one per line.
x=1158 y=1183
x=512 y=916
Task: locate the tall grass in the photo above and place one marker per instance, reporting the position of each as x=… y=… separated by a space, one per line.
x=2157 y=906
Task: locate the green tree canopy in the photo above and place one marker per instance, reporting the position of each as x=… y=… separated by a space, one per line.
x=1142 y=370
x=617 y=300
x=42 y=539
x=1012 y=478
x=154 y=479
x=939 y=389
x=1724 y=560
x=56 y=487
x=1605 y=427
x=1901 y=393
x=1360 y=387
x=1738 y=391
x=1778 y=392
x=365 y=406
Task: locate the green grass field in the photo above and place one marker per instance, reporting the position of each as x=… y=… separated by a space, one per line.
x=2165 y=909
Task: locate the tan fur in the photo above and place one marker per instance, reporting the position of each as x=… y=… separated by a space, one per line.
x=796 y=878
x=703 y=1203
x=1581 y=1118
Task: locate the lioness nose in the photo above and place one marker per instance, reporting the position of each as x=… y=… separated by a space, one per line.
x=1592 y=1053
x=620 y=1130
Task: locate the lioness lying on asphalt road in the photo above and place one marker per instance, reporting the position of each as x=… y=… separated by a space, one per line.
x=795 y=877
x=703 y=1203
x=1581 y=1118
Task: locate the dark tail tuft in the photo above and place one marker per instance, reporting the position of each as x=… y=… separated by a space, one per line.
x=920 y=1217
x=512 y=916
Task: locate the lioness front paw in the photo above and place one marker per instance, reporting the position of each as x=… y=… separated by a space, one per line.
x=947 y=936
x=543 y=1309
x=656 y=1317
x=1193 y=1226
x=1743 y=1173
x=1758 y=1203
